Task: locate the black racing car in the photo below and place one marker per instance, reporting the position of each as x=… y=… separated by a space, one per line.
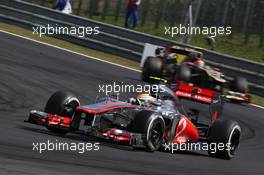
x=175 y=63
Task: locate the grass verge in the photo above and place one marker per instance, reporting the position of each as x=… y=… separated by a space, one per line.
x=89 y=52
x=231 y=45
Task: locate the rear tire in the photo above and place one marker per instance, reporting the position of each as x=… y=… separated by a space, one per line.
x=183 y=73
x=239 y=84
x=151 y=67
x=62 y=104
x=152 y=126
x=225 y=132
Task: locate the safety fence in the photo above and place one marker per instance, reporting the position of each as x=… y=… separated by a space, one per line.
x=119 y=41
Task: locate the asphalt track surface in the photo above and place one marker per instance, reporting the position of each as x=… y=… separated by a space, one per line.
x=30 y=72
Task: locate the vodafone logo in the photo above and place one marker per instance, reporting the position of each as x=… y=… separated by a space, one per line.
x=194 y=96
x=202 y=98
x=183 y=94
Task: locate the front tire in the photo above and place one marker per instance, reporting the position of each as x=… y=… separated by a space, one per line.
x=225 y=132
x=183 y=73
x=63 y=104
x=152 y=126
x=151 y=67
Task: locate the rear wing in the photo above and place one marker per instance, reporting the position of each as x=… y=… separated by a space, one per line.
x=194 y=93
x=150 y=50
x=204 y=96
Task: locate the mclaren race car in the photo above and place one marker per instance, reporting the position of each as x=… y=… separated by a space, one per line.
x=180 y=64
x=146 y=122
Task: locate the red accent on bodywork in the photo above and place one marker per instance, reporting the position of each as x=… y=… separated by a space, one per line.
x=215 y=115
x=50 y=119
x=111 y=133
x=99 y=111
x=59 y=120
x=194 y=93
x=185 y=131
x=247 y=98
x=217 y=69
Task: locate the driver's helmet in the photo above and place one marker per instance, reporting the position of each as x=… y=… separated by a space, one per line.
x=199 y=63
x=146 y=99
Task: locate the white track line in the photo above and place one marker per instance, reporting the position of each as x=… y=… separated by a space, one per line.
x=87 y=56
x=57 y=47
x=258 y=106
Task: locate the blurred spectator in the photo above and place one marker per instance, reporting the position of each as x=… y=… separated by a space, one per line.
x=64 y=6
x=132 y=9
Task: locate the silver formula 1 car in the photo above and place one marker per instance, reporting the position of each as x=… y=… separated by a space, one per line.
x=141 y=123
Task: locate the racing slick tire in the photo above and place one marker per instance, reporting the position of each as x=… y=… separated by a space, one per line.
x=152 y=127
x=63 y=104
x=183 y=73
x=239 y=84
x=151 y=67
x=225 y=135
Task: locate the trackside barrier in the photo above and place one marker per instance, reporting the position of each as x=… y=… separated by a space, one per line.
x=120 y=41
